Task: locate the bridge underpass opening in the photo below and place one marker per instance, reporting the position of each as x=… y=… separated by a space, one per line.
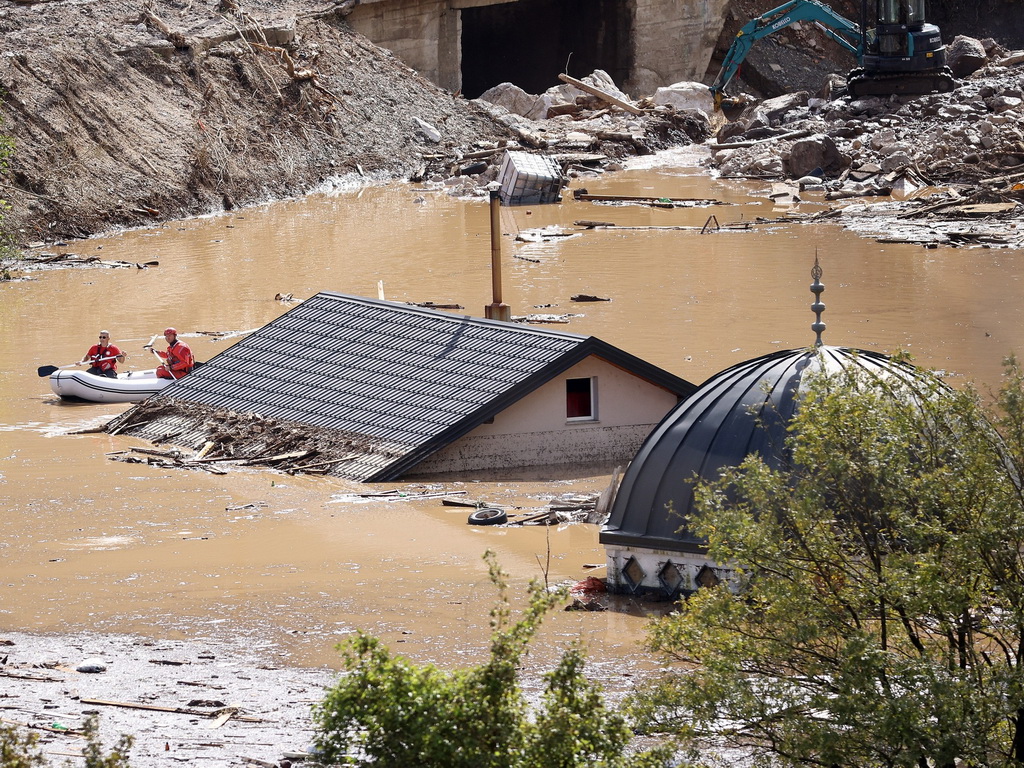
x=529 y=43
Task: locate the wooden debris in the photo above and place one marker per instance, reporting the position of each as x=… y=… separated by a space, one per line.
x=25 y=676
x=398 y=495
x=604 y=95
x=432 y=305
x=448 y=501
x=542 y=319
x=225 y=714
x=41 y=727
x=566 y=509
x=175 y=710
x=587 y=297
x=75 y=259
x=482 y=153
x=662 y=202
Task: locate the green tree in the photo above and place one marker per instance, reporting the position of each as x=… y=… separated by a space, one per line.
x=19 y=752
x=877 y=617
x=9 y=252
x=386 y=712
x=23 y=752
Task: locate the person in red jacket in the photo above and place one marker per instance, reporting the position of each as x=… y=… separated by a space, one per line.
x=177 y=358
x=104 y=357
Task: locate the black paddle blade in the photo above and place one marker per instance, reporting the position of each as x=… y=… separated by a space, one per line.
x=46 y=370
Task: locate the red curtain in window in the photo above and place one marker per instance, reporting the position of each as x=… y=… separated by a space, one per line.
x=577 y=399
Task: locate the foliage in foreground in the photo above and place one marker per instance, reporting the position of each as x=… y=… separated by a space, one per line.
x=23 y=752
x=880 y=615
x=8 y=251
x=386 y=712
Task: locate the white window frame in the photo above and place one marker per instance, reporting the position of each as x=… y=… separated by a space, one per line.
x=592 y=416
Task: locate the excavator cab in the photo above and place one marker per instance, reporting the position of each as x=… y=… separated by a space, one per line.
x=902 y=52
x=897 y=50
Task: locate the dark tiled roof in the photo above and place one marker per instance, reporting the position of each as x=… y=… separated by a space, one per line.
x=407 y=378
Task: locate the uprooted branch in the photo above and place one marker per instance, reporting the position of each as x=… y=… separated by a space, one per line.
x=286 y=59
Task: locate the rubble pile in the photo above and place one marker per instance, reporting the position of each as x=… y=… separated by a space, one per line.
x=967 y=135
x=585 y=131
x=941 y=158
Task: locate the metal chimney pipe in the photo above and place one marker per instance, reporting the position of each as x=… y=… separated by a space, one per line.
x=496 y=310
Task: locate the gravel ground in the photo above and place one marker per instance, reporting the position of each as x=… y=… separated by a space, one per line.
x=180 y=693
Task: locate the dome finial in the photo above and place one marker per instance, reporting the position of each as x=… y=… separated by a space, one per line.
x=817 y=307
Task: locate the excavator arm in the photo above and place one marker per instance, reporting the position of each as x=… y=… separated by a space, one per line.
x=843 y=31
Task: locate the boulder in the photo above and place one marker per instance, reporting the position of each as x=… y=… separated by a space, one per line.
x=730 y=131
x=773 y=110
x=896 y=161
x=513 y=98
x=965 y=55
x=690 y=96
x=815 y=152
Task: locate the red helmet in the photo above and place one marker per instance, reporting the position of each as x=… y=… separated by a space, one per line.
x=172 y=331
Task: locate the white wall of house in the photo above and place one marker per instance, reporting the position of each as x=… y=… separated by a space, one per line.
x=536 y=432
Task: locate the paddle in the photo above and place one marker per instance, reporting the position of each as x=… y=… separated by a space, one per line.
x=46 y=370
x=162 y=362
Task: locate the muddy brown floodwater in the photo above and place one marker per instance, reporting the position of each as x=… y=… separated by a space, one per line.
x=291 y=565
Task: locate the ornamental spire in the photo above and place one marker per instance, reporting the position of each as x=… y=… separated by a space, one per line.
x=817 y=307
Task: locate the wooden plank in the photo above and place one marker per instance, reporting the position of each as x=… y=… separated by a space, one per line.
x=583 y=195
x=33 y=678
x=447 y=501
x=601 y=94
x=222 y=718
x=173 y=710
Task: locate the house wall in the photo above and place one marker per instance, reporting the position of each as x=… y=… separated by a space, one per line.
x=671 y=40
x=535 y=431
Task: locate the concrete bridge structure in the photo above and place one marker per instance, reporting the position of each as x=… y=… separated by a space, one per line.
x=469 y=46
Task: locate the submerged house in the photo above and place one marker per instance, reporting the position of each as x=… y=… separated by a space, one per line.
x=382 y=390
x=745 y=409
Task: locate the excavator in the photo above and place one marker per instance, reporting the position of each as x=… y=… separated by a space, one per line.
x=897 y=50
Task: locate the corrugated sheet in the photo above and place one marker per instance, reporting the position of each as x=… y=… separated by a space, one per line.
x=402 y=376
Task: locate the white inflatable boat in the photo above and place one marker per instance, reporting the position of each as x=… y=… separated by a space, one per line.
x=130 y=387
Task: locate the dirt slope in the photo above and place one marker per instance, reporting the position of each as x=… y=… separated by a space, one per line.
x=123 y=115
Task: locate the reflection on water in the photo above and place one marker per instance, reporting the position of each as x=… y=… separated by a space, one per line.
x=257 y=557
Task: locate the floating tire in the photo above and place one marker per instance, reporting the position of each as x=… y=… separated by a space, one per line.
x=488 y=516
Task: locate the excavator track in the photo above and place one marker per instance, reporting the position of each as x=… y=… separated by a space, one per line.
x=860 y=83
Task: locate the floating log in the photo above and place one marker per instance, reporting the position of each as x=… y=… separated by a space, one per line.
x=670 y=202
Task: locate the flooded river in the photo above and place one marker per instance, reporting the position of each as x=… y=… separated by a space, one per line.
x=289 y=566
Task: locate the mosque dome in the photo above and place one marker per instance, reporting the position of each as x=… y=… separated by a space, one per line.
x=741 y=411
x=745 y=409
